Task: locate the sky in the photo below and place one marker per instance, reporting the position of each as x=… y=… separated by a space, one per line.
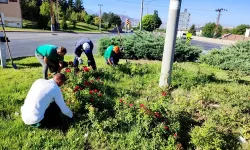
x=202 y=11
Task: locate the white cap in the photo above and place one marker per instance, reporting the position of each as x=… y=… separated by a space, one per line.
x=86 y=46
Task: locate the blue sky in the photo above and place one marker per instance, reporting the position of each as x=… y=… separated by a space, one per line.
x=202 y=11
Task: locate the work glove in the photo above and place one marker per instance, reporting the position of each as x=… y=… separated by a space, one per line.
x=80 y=60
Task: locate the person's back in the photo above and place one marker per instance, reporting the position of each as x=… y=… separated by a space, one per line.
x=108 y=52
x=41 y=94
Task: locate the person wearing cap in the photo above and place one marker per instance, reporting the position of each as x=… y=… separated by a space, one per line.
x=44 y=102
x=111 y=55
x=51 y=57
x=86 y=46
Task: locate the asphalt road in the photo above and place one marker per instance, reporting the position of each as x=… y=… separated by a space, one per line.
x=25 y=43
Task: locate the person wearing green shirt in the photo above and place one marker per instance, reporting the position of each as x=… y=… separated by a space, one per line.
x=51 y=57
x=111 y=55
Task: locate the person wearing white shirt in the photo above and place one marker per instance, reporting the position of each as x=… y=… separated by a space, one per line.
x=42 y=99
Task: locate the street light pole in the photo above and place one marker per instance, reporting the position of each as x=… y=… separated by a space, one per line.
x=100 y=17
x=147 y=5
x=169 y=46
x=141 y=14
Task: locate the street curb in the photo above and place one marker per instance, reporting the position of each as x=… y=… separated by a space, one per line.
x=60 y=32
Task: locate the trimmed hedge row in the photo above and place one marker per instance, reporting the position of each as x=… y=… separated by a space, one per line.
x=145 y=45
x=236 y=57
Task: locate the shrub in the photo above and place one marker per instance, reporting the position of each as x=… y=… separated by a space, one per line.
x=208 y=137
x=145 y=45
x=63 y=23
x=124 y=122
x=234 y=57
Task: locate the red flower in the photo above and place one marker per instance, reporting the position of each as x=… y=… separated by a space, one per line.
x=95 y=90
x=142 y=105
x=166 y=127
x=121 y=100
x=70 y=63
x=131 y=105
x=164 y=93
x=157 y=115
x=175 y=135
x=100 y=94
x=86 y=69
x=91 y=92
x=67 y=70
x=76 y=88
x=91 y=99
x=86 y=83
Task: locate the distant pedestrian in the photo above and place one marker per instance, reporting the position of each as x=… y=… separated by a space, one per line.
x=51 y=57
x=86 y=46
x=112 y=55
x=44 y=102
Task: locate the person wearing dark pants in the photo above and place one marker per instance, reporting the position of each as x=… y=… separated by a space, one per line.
x=51 y=57
x=44 y=102
x=112 y=55
x=86 y=46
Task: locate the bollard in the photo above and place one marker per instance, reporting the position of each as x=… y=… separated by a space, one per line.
x=2 y=51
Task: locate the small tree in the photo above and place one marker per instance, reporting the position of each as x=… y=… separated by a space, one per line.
x=241 y=29
x=157 y=20
x=116 y=20
x=63 y=24
x=96 y=21
x=44 y=15
x=148 y=22
x=192 y=30
x=80 y=16
x=210 y=29
x=73 y=19
x=88 y=19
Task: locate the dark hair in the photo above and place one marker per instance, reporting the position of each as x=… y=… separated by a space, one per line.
x=60 y=76
x=63 y=49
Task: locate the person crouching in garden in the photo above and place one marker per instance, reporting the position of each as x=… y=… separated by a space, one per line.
x=86 y=46
x=51 y=57
x=44 y=102
x=112 y=55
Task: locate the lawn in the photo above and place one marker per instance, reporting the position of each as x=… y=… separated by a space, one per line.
x=123 y=108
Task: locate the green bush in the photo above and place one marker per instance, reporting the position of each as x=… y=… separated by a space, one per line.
x=145 y=45
x=234 y=57
x=63 y=23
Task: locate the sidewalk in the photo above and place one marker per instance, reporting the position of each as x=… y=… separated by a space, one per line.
x=48 y=31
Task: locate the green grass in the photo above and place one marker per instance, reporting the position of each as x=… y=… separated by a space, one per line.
x=195 y=87
x=30 y=26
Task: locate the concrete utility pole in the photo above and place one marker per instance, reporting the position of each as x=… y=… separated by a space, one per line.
x=170 y=39
x=52 y=16
x=141 y=14
x=100 y=17
x=218 y=19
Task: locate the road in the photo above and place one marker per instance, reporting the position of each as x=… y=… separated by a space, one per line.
x=25 y=43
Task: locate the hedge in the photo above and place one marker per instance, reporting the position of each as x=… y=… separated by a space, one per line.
x=146 y=45
x=235 y=57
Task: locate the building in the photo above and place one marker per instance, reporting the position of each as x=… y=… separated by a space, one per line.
x=11 y=13
x=184 y=20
